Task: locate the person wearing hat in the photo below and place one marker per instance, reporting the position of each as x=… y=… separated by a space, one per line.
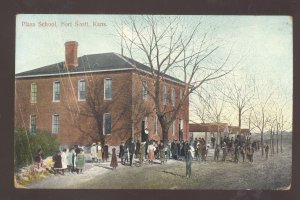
x=94 y=152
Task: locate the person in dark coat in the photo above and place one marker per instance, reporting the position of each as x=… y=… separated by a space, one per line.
x=114 y=161
x=105 y=153
x=178 y=150
x=121 y=153
x=131 y=149
x=137 y=151
x=77 y=149
x=188 y=161
x=225 y=152
x=243 y=152
x=213 y=140
x=146 y=147
x=172 y=149
x=162 y=154
x=267 y=151
x=39 y=158
x=57 y=162
x=217 y=153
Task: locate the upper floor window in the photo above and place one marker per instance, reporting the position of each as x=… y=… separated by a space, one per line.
x=145 y=90
x=164 y=95
x=81 y=90
x=181 y=124
x=173 y=128
x=155 y=124
x=55 y=123
x=173 y=96
x=32 y=123
x=33 y=93
x=108 y=89
x=107 y=123
x=56 y=91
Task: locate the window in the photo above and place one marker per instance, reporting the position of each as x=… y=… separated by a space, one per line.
x=55 y=123
x=164 y=95
x=107 y=89
x=173 y=128
x=181 y=124
x=107 y=123
x=33 y=93
x=146 y=122
x=145 y=90
x=56 y=91
x=32 y=123
x=181 y=93
x=173 y=96
x=81 y=90
x=155 y=124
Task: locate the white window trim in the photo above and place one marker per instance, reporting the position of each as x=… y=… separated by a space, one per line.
x=173 y=127
x=181 y=125
x=104 y=89
x=145 y=88
x=78 y=90
x=53 y=94
x=30 y=127
x=164 y=95
x=173 y=96
x=31 y=93
x=53 y=123
x=103 y=124
x=156 y=124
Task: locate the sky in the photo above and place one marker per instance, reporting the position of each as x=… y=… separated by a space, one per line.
x=262 y=43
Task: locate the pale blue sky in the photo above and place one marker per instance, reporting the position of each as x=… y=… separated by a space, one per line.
x=264 y=42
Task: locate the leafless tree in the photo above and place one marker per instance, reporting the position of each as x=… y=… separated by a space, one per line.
x=168 y=44
x=239 y=94
x=260 y=113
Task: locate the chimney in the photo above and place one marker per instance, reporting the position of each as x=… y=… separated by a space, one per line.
x=71 y=60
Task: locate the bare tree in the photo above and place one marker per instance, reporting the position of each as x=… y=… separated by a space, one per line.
x=239 y=94
x=168 y=44
x=261 y=115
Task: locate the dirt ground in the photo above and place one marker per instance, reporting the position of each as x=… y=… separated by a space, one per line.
x=272 y=174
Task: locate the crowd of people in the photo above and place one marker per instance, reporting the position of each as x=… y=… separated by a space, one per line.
x=73 y=160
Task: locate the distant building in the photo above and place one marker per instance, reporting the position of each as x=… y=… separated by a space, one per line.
x=57 y=99
x=217 y=130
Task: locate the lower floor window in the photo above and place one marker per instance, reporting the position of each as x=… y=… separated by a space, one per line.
x=32 y=123
x=55 y=123
x=107 y=123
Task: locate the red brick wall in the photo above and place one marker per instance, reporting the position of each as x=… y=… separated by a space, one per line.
x=79 y=129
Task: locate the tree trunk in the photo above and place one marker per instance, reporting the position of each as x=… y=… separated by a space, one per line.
x=240 y=118
x=281 y=142
x=273 y=149
x=262 y=143
x=270 y=142
x=165 y=136
x=277 y=137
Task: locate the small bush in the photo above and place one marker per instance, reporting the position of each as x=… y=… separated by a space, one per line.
x=26 y=146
